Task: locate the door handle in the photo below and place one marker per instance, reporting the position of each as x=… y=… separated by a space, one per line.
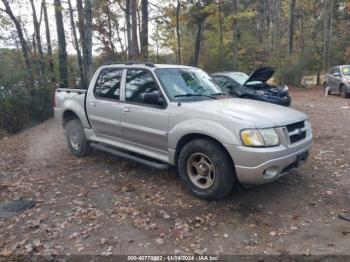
x=126 y=109
x=93 y=103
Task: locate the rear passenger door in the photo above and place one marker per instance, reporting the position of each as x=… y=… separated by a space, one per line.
x=144 y=117
x=103 y=105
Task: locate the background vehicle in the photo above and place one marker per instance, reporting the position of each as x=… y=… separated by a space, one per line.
x=255 y=86
x=338 y=80
x=163 y=115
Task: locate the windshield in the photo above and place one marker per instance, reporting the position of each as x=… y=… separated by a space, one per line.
x=187 y=84
x=346 y=70
x=241 y=78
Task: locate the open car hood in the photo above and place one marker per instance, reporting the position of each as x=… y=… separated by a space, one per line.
x=261 y=74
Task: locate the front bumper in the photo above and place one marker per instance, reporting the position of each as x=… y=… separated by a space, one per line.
x=256 y=166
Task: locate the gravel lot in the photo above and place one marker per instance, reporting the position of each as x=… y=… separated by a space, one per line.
x=106 y=205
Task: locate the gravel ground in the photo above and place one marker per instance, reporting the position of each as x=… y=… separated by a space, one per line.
x=106 y=205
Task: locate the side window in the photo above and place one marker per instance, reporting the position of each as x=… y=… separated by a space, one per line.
x=108 y=83
x=141 y=88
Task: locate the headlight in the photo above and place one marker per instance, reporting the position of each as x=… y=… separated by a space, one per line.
x=285 y=88
x=309 y=128
x=259 y=137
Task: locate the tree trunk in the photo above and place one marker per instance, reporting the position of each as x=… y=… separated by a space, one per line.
x=134 y=38
x=178 y=37
x=291 y=26
x=198 y=40
x=85 y=31
x=128 y=29
x=38 y=38
x=62 y=52
x=144 y=30
x=48 y=41
x=81 y=28
x=8 y=10
x=88 y=39
x=77 y=47
x=221 y=42
x=235 y=36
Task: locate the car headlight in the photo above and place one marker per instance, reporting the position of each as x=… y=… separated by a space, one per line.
x=259 y=137
x=285 y=88
x=309 y=128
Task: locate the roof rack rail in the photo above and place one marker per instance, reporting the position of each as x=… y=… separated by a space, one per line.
x=131 y=63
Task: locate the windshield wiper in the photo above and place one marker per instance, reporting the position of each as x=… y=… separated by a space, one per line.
x=191 y=95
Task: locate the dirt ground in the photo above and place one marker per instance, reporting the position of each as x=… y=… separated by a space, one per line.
x=106 y=205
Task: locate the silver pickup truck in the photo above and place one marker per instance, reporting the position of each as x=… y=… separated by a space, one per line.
x=162 y=115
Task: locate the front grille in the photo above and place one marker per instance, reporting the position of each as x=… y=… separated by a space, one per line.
x=296 y=138
x=294 y=126
x=296 y=131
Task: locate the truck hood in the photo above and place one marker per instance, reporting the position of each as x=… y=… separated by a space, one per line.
x=261 y=74
x=258 y=114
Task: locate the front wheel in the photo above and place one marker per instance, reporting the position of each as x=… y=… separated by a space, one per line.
x=206 y=169
x=76 y=140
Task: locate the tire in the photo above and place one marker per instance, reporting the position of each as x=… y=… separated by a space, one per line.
x=206 y=169
x=343 y=92
x=76 y=139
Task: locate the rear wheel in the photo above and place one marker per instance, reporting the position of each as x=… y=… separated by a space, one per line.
x=76 y=140
x=206 y=169
x=343 y=91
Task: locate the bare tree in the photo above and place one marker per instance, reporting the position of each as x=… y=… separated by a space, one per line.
x=221 y=22
x=38 y=38
x=110 y=30
x=48 y=39
x=85 y=31
x=198 y=40
x=291 y=26
x=126 y=10
x=88 y=39
x=134 y=35
x=235 y=35
x=327 y=31
x=178 y=36
x=144 y=30
x=23 y=42
x=76 y=45
x=62 y=52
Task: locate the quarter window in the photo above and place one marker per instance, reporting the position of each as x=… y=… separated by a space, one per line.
x=141 y=88
x=108 y=83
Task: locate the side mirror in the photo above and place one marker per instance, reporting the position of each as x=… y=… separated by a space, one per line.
x=153 y=98
x=336 y=74
x=161 y=101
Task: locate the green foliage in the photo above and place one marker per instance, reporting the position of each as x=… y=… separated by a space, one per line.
x=19 y=109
